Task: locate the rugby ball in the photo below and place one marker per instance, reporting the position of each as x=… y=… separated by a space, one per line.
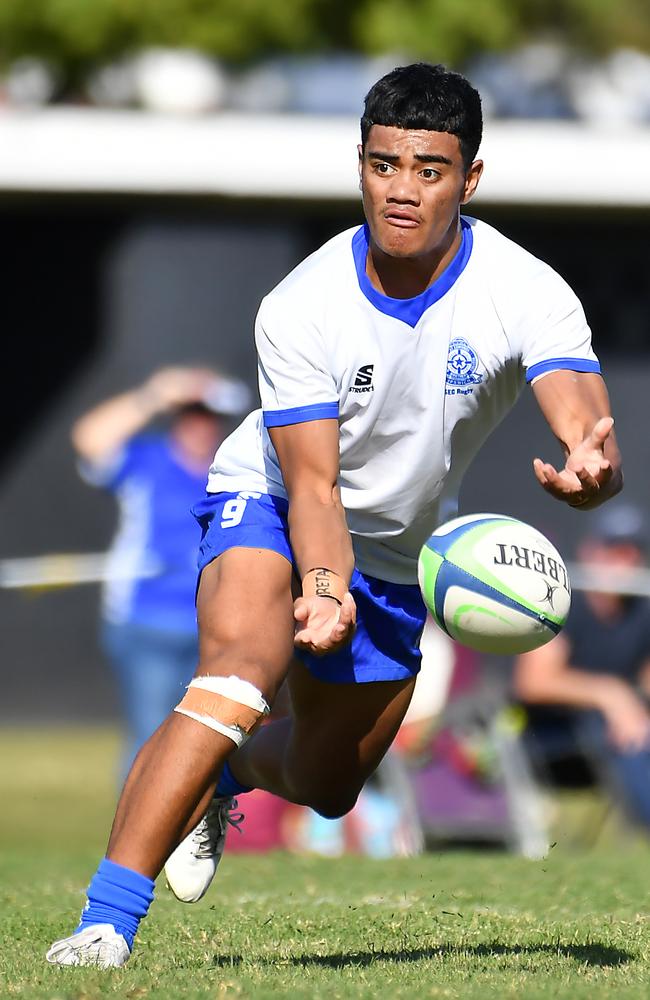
x=495 y=584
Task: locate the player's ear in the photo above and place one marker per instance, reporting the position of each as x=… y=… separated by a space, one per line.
x=360 y=152
x=472 y=178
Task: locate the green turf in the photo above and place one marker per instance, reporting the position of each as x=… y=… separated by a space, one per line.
x=452 y=925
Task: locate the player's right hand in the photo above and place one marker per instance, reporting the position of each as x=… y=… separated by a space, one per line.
x=322 y=626
x=584 y=480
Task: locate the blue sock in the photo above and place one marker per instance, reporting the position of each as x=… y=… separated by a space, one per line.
x=228 y=784
x=117 y=896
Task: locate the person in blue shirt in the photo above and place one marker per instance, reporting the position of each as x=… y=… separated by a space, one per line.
x=148 y=630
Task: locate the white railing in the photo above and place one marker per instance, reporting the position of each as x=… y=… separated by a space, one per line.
x=91 y=151
x=71 y=569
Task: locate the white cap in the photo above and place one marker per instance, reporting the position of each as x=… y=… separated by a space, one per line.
x=228 y=396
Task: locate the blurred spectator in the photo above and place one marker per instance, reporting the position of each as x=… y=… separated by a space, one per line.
x=587 y=690
x=149 y=622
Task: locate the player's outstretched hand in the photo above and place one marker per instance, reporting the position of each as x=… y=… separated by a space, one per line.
x=586 y=474
x=322 y=626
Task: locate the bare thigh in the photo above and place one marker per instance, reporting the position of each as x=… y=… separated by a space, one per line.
x=245 y=616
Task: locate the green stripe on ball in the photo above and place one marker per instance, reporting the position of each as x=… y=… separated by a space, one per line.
x=430 y=563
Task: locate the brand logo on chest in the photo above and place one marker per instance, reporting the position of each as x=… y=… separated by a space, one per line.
x=462 y=368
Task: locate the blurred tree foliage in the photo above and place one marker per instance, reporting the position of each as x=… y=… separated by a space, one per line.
x=76 y=34
x=453 y=30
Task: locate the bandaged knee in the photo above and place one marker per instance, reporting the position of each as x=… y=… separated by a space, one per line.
x=228 y=705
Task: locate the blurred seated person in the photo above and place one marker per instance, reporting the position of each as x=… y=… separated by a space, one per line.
x=587 y=691
x=149 y=631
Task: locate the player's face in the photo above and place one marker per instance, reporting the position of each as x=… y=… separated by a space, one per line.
x=413 y=183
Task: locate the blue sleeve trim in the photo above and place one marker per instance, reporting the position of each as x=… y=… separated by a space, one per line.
x=301 y=414
x=562 y=364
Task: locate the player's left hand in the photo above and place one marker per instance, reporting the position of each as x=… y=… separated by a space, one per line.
x=586 y=474
x=322 y=626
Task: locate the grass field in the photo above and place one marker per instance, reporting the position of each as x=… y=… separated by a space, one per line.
x=453 y=924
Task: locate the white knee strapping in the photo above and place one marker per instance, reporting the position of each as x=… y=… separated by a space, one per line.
x=228 y=705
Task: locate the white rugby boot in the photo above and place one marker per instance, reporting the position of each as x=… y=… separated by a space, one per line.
x=190 y=868
x=99 y=945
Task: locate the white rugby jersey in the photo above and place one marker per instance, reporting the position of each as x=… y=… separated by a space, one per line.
x=417 y=384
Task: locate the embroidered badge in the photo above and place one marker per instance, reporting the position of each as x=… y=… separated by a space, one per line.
x=462 y=364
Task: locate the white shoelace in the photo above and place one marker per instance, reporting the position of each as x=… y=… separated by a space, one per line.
x=213 y=826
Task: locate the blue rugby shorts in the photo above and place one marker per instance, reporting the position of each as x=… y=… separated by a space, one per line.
x=390 y=616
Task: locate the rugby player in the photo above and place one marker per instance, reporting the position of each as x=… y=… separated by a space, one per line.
x=385 y=360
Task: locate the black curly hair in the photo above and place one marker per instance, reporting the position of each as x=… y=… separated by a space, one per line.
x=424 y=96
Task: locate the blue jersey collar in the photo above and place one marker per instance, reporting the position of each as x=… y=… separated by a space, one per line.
x=410 y=311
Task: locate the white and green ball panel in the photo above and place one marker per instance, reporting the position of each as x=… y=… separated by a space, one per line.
x=429 y=565
x=520 y=562
x=466 y=521
x=455 y=592
x=435 y=551
x=485 y=576
x=489 y=626
x=510 y=556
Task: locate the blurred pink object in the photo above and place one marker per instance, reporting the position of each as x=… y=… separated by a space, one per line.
x=263 y=827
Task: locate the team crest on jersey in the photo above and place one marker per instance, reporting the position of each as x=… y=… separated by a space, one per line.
x=462 y=365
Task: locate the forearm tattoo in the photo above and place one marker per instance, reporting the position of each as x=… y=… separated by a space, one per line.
x=325 y=583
